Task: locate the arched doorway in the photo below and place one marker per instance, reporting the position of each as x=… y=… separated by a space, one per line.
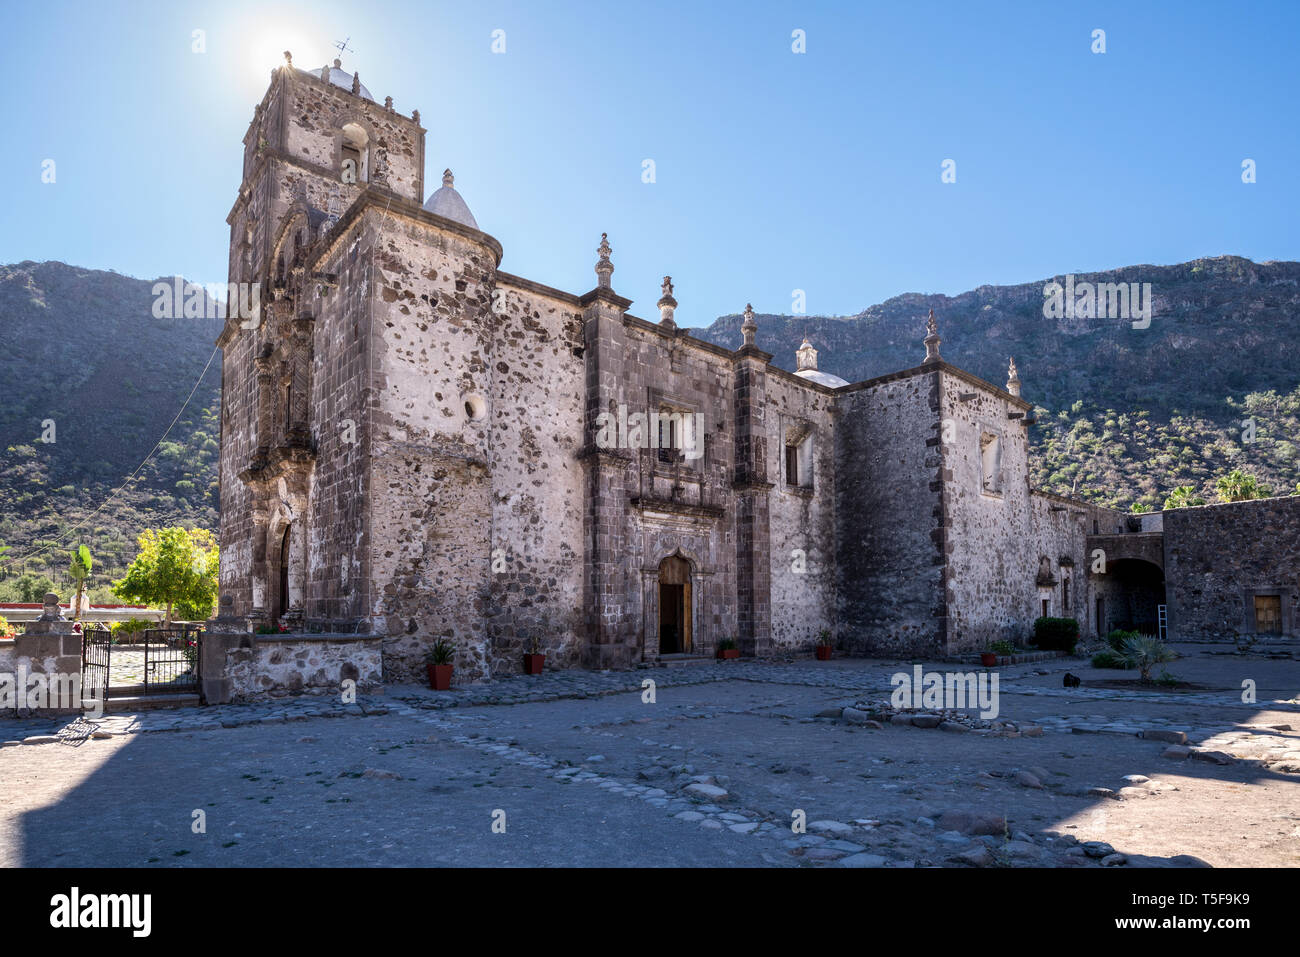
x=674 y=606
x=282 y=592
x=1130 y=596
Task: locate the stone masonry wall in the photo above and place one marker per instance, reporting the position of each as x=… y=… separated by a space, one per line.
x=802 y=518
x=535 y=436
x=889 y=536
x=1219 y=557
x=276 y=665
x=430 y=504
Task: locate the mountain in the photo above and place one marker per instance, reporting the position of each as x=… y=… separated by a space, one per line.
x=84 y=361
x=1125 y=414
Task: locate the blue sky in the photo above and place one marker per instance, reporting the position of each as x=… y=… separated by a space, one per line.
x=775 y=171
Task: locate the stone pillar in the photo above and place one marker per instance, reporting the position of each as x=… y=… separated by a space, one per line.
x=299 y=415
x=751 y=487
x=224 y=635
x=265 y=365
x=613 y=627
x=50 y=648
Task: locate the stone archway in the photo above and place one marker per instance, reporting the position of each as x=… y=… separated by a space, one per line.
x=675 y=612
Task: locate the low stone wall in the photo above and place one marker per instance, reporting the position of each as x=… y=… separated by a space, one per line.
x=240 y=666
x=45 y=661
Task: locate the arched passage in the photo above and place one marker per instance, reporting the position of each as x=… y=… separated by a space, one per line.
x=1128 y=596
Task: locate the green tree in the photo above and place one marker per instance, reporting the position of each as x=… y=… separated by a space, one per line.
x=1139 y=508
x=176 y=567
x=79 y=570
x=1238 y=486
x=1182 y=497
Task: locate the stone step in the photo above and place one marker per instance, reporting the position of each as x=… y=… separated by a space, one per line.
x=152 y=702
x=677 y=661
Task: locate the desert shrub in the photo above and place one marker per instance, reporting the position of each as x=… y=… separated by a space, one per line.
x=1056 y=634
x=1117 y=638
x=1144 y=652
x=1109 y=659
x=121 y=631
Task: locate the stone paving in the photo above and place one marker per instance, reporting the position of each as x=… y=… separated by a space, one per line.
x=696 y=763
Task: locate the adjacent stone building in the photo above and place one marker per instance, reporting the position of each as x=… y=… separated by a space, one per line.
x=418 y=446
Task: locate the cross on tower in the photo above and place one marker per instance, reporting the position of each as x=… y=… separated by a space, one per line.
x=343 y=47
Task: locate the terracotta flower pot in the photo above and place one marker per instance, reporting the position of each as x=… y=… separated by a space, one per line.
x=823 y=652
x=988 y=659
x=439 y=677
x=728 y=653
x=533 y=664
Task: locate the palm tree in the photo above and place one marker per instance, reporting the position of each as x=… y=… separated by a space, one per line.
x=1237 y=486
x=79 y=571
x=1182 y=497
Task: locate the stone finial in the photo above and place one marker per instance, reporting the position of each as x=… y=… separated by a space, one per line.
x=749 y=327
x=338 y=64
x=325 y=73
x=288 y=59
x=1013 y=378
x=667 y=304
x=447 y=179
x=806 y=357
x=356 y=82
x=50 y=608
x=932 y=339
x=604 y=268
x=415 y=115
x=388 y=102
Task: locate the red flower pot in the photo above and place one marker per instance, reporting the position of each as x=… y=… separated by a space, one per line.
x=439 y=677
x=533 y=664
x=988 y=659
x=823 y=652
x=728 y=653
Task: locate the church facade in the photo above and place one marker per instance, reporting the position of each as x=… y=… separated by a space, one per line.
x=417 y=445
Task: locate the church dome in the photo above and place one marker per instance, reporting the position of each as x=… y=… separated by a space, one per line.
x=806 y=359
x=447 y=203
x=341 y=78
x=822 y=378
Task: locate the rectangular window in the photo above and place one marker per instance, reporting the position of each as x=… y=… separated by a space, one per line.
x=991 y=463
x=1101 y=618
x=791 y=465
x=1268 y=614
x=1065 y=593
x=669 y=437
x=1047 y=608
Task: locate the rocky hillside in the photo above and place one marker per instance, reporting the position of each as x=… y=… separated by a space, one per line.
x=1125 y=414
x=83 y=361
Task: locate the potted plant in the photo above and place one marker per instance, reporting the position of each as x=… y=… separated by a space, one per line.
x=988 y=659
x=437 y=662
x=824 y=645
x=727 y=649
x=534 y=659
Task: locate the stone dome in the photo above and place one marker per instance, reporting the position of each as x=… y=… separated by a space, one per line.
x=449 y=204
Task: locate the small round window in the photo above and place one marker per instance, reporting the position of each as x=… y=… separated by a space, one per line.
x=475 y=407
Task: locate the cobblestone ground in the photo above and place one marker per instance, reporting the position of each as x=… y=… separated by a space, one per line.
x=578 y=768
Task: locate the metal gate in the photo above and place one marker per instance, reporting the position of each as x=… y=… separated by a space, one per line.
x=171 y=659
x=96 y=649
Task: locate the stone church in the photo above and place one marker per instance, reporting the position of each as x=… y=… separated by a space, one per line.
x=417 y=445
